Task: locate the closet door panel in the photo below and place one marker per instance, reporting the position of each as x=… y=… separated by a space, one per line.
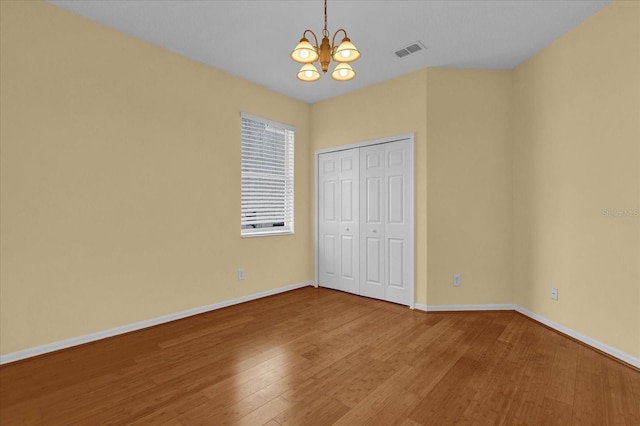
x=398 y=223
x=395 y=203
x=349 y=220
x=338 y=217
x=328 y=221
x=395 y=257
x=372 y=260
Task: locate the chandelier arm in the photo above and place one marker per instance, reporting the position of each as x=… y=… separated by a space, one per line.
x=314 y=37
x=333 y=41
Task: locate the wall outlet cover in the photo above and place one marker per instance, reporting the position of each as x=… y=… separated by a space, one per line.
x=457 y=280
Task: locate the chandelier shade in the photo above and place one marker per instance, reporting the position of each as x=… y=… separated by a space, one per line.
x=343 y=72
x=307 y=53
x=308 y=73
x=304 y=52
x=346 y=52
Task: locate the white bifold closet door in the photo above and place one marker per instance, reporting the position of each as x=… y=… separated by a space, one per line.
x=382 y=265
x=339 y=244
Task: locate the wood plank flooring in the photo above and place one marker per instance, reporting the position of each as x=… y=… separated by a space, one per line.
x=321 y=357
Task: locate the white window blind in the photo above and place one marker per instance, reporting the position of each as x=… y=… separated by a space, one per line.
x=267 y=177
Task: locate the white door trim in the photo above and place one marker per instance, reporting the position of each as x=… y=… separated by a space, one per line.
x=407 y=136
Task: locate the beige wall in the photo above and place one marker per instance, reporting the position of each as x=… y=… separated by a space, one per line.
x=120 y=173
x=463 y=172
x=120 y=181
x=390 y=108
x=577 y=142
x=469 y=186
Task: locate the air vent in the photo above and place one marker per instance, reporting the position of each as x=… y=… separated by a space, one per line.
x=408 y=50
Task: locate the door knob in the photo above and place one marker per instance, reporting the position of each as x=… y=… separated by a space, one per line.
x=347 y=229
x=375 y=231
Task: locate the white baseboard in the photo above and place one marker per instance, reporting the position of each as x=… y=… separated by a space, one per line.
x=609 y=350
x=55 y=346
x=447 y=308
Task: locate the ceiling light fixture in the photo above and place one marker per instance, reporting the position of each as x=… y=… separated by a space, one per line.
x=306 y=53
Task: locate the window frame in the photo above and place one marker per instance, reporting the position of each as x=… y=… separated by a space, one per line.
x=287 y=161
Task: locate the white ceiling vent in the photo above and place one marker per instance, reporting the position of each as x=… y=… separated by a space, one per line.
x=408 y=50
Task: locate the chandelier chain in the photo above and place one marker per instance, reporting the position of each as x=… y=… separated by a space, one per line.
x=325 y=32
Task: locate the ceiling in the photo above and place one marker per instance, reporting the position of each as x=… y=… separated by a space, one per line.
x=253 y=39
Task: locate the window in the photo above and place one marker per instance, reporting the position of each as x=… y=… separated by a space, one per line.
x=267 y=177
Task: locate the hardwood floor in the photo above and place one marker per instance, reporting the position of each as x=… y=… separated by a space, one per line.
x=321 y=357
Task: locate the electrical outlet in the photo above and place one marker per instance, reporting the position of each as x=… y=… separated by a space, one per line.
x=457 y=280
x=554 y=293
x=240 y=274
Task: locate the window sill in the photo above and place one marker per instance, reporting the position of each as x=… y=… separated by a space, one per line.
x=266 y=233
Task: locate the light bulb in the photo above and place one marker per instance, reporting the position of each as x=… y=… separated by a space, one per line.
x=345 y=53
x=308 y=74
x=343 y=72
x=304 y=53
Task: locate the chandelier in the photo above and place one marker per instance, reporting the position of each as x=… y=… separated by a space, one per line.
x=306 y=54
